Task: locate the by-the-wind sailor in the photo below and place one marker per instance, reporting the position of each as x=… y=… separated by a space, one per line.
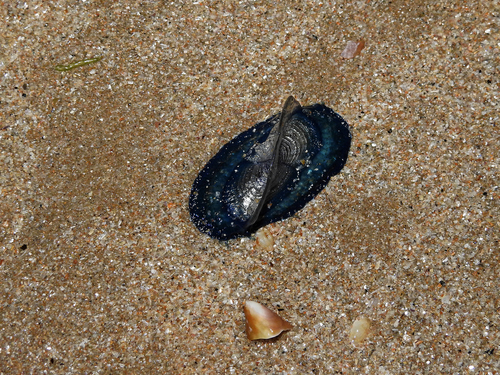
x=270 y=171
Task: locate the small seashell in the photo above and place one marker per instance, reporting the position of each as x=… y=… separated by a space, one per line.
x=359 y=330
x=262 y=323
x=265 y=239
x=353 y=49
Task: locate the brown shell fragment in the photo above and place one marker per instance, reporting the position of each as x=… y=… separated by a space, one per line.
x=262 y=323
x=353 y=49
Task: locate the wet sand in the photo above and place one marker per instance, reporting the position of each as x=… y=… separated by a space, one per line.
x=102 y=270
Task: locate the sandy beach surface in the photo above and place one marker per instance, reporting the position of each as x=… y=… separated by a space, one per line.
x=101 y=268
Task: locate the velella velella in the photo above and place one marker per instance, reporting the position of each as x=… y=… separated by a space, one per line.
x=270 y=171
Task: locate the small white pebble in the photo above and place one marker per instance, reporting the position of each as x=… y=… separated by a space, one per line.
x=359 y=330
x=265 y=239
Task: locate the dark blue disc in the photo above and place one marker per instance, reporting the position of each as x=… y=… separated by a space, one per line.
x=270 y=171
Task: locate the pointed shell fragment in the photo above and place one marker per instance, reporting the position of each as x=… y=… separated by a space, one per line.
x=262 y=323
